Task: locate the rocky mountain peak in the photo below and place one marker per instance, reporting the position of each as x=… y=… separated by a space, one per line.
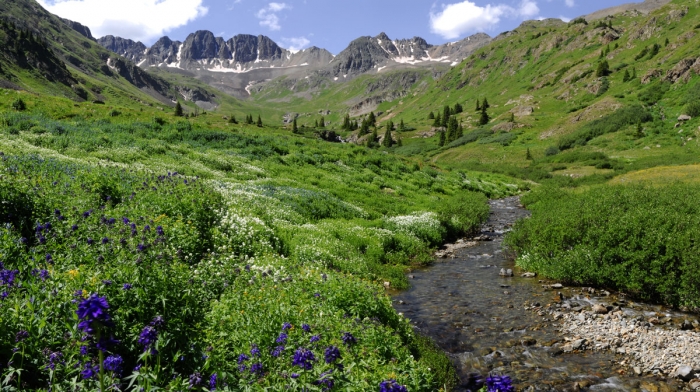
x=83 y=30
x=199 y=45
x=127 y=48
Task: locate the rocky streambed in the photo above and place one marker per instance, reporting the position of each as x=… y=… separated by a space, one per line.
x=546 y=336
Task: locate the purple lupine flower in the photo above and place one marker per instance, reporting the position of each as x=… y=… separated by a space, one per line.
x=332 y=354
x=93 y=310
x=148 y=337
x=282 y=338
x=242 y=358
x=257 y=368
x=21 y=336
x=255 y=351
x=499 y=384
x=348 y=339
x=54 y=359
x=126 y=286
x=286 y=326
x=391 y=386
x=306 y=327
x=303 y=358
x=43 y=274
x=157 y=322
x=212 y=382
x=315 y=338
x=277 y=351
x=294 y=375
x=90 y=371
x=195 y=380
x=113 y=363
x=84 y=350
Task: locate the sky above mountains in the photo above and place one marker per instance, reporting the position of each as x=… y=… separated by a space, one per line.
x=330 y=24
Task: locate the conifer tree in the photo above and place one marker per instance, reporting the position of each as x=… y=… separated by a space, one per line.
x=178 y=109
x=259 y=124
x=431 y=116
x=478 y=105
x=372 y=141
x=399 y=143
x=626 y=76
x=452 y=128
x=603 y=69
x=294 y=126
x=437 y=121
x=528 y=155
x=387 y=142
x=666 y=42
x=640 y=130
x=485 y=104
x=372 y=119
x=446 y=112
x=322 y=123
x=315 y=123
x=458 y=108
x=441 y=142
x=346 y=123
x=484 y=118
x=232 y=120
x=401 y=125
x=511 y=118
x=460 y=131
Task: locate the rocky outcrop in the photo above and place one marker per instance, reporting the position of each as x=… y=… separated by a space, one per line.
x=126 y=48
x=683 y=70
x=83 y=30
x=164 y=51
x=651 y=75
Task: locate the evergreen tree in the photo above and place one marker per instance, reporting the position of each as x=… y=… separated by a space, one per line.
x=387 y=142
x=511 y=118
x=346 y=123
x=460 y=131
x=322 y=123
x=259 y=123
x=178 y=109
x=603 y=69
x=372 y=141
x=441 y=142
x=315 y=123
x=232 y=120
x=372 y=119
x=478 y=105
x=364 y=129
x=445 y=116
x=399 y=143
x=452 y=127
x=485 y=104
x=437 y=121
x=401 y=125
x=294 y=126
x=626 y=76
x=528 y=155
x=431 y=116
x=484 y=118
x=666 y=42
x=458 y=108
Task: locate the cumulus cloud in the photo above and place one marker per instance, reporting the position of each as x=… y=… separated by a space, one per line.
x=141 y=20
x=268 y=15
x=569 y=3
x=295 y=44
x=454 y=20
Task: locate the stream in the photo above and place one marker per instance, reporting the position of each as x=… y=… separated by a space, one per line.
x=487 y=323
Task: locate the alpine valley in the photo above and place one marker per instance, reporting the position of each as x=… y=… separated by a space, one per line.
x=225 y=214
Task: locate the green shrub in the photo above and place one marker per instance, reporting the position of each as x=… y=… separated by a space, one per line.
x=470 y=137
x=610 y=123
x=636 y=239
x=654 y=93
x=18 y=105
x=692 y=109
x=463 y=213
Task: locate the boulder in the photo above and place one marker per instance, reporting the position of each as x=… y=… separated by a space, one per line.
x=506 y=272
x=685 y=373
x=600 y=309
x=684 y=117
x=522 y=111
x=529 y=275
x=649 y=76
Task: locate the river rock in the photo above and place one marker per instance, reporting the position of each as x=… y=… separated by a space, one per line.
x=506 y=272
x=687 y=325
x=685 y=373
x=637 y=370
x=578 y=344
x=600 y=309
x=529 y=275
x=557 y=286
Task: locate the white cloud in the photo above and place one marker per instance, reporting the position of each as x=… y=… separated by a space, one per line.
x=295 y=44
x=569 y=3
x=457 y=19
x=565 y=19
x=268 y=15
x=141 y=20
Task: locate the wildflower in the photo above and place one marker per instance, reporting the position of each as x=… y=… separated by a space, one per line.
x=315 y=338
x=195 y=380
x=255 y=351
x=317 y=295
x=126 y=286
x=84 y=350
x=148 y=337
x=332 y=354
x=113 y=363
x=282 y=338
x=242 y=368
x=90 y=371
x=286 y=326
x=499 y=384
x=125 y=220
x=90 y=241
x=105 y=342
x=21 y=336
x=294 y=375
x=160 y=231
x=325 y=380
x=93 y=310
x=256 y=368
x=303 y=358
x=49 y=259
x=107 y=282
x=212 y=382
x=348 y=339
x=105 y=241
x=54 y=359
x=74 y=227
x=157 y=322
x=7 y=277
x=391 y=386
x=87 y=213
x=277 y=351
x=306 y=327
x=242 y=358
x=43 y=274
x=146 y=228
x=23 y=240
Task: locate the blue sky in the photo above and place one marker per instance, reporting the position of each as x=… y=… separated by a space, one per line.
x=330 y=24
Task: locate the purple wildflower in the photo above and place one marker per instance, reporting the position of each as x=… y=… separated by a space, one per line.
x=195 y=380
x=255 y=351
x=326 y=381
x=105 y=241
x=74 y=227
x=256 y=368
x=49 y=258
x=21 y=336
x=282 y=338
x=54 y=359
x=90 y=371
x=148 y=337
x=242 y=358
x=157 y=322
x=277 y=351
x=294 y=375
x=306 y=327
x=315 y=338
x=212 y=382
x=160 y=231
x=303 y=358
x=126 y=286
x=90 y=241
x=286 y=326
x=348 y=339
x=113 y=363
x=93 y=310
x=391 y=386
x=332 y=354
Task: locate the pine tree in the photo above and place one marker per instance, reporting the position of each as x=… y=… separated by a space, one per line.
x=259 y=123
x=178 y=110
x=372 y=119
x=431 y=116
x=315 y=123
x=322 y=123
x=401 y=125
x=437 y=121
x=294 y=126
x=446 y=112
x=511 y=118
x=603 y=69
x=460 y=131
x=478 y=105
x=372 y=141
x=484 y=118
x=387 y=142
x=346 y=123
x=232 y=120
x=458 y=108
x=485 y=104
x=399 y=143
x=626 y=76
x=666 y=42
x=452 y=128
x=528 y=155
x=441 y=142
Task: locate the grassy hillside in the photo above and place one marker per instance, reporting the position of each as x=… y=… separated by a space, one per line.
x=205 y=239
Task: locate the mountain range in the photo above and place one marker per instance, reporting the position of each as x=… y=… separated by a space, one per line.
x=234 y=65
